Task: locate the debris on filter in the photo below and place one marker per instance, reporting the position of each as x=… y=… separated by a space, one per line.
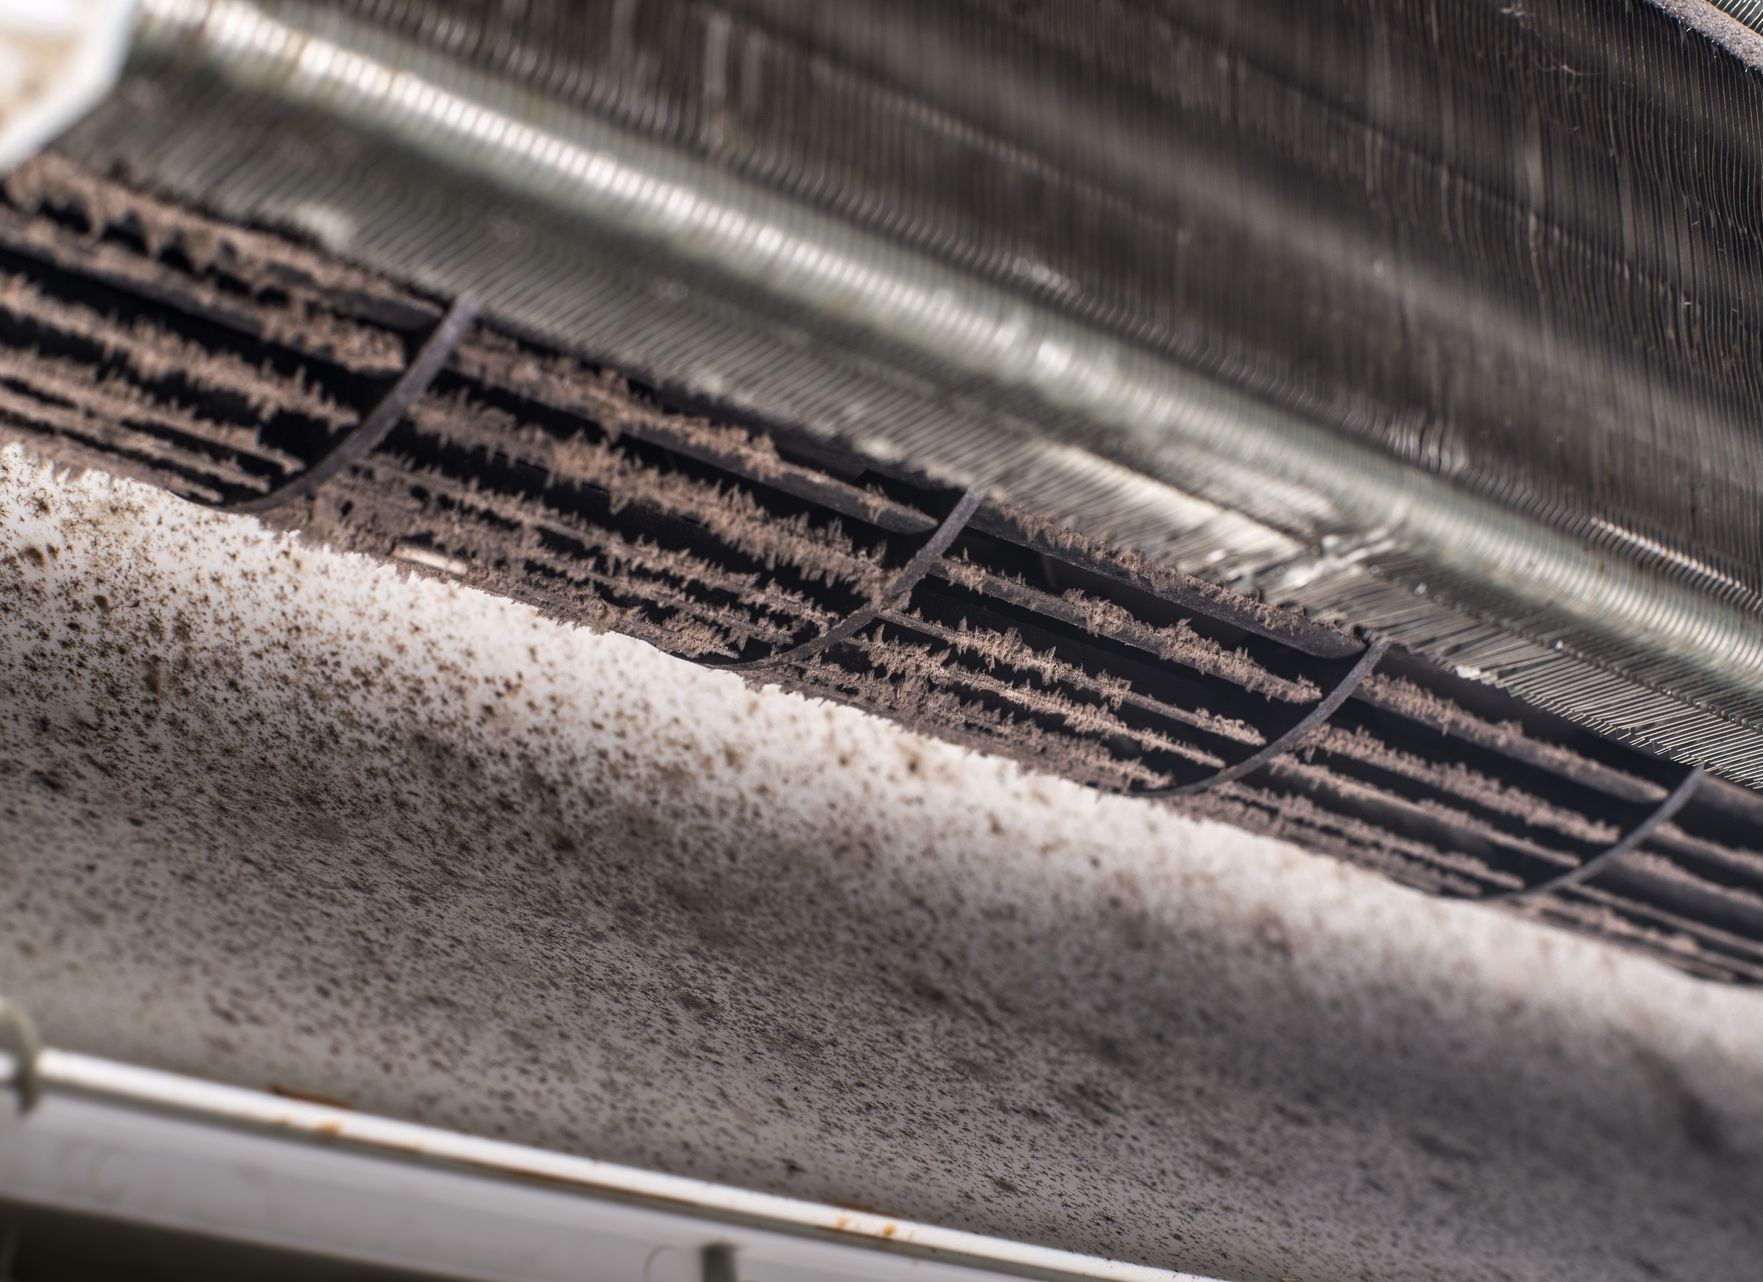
x=109 y=413
x=901 y=659
x=158 y=357
x=1360 y=745
x=1694 y=946
x=1733 y=859
x=734 y=515
x=820 y=553
x=1152 y=575
x=1665 y=869
x=214 y=361
x=1399 y=695
x=1319 y=780
x=54 y=436
x=1177 y=644
x=972 y=723
x=564 y=383
x=284 y=286
x=1008 y=649
x=564 y=545
x=1299 y=819
x=364 y=516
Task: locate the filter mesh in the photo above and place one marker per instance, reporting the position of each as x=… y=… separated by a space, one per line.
x=215 y=361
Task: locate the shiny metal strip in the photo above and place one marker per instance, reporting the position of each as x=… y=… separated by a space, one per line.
x=132 y=1143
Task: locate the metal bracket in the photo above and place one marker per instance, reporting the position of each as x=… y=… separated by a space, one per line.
x=431 y=358
x=18 y=1038
x=921 y=564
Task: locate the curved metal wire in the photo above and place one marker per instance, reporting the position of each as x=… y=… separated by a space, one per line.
x=902 y=583
x=1320 y=711
x=1675 y=801
x=360 y=441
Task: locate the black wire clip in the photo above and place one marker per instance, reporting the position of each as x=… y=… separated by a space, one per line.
x=1662 y=814
x=359 y=441
x=1319 y=712
x=921 y=564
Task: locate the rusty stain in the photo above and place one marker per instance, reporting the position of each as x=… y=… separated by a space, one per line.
x=860 y=1208
x=307 y=1097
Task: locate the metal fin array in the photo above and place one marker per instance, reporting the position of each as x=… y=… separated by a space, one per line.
x=217 y=362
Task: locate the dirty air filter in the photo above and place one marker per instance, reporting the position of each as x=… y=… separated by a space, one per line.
x=225 y=364
x=1432 y=319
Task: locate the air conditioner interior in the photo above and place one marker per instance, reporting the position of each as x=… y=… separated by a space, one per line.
x=721 y=639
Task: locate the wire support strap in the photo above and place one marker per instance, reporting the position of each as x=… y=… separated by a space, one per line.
x=1320 y=712
x=921 y=564
x=1675 y=801
x=377 y=424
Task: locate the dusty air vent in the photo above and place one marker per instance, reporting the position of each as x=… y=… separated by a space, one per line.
x=222 y=364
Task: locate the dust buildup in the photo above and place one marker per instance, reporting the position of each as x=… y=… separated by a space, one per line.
x=1508 y=738
x=265 y=285
x=146 y=339
x=1007 y=648
x=1360 y=745
x=1176 y=643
